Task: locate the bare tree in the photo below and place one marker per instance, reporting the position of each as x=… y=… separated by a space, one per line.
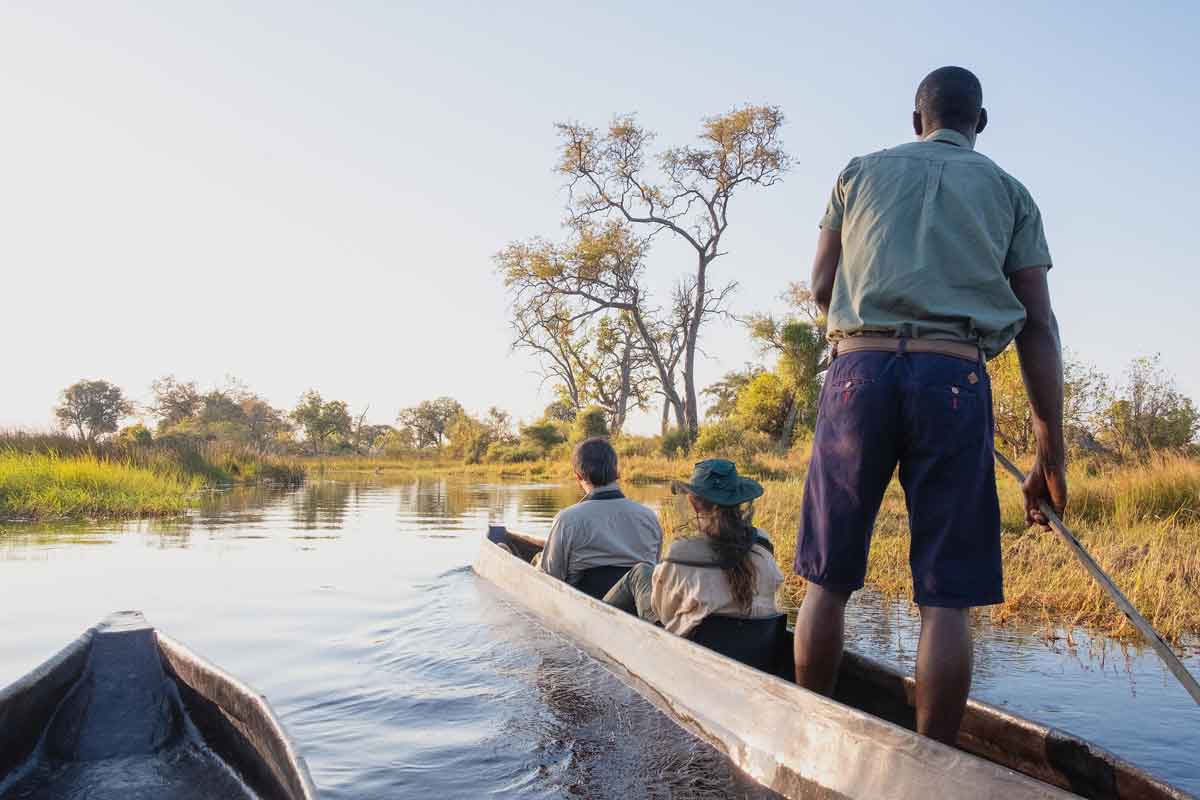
x=174 y=401
x=543 y=325
x=599 y=270
x=601 y=361
x=687 y=196
x=360 y=432
x=617 y=370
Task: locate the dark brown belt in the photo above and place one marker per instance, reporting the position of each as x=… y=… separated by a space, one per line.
x=892 y=344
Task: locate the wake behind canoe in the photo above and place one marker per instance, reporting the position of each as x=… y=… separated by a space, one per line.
x=126 y=713
x=858 y=745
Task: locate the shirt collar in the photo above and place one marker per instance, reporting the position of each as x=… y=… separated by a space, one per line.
x=949 y=136
x=606 y=489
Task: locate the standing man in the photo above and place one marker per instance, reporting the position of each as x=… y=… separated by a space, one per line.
x=930 y=260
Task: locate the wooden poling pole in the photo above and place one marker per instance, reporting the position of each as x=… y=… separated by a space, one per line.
x=1145 y=628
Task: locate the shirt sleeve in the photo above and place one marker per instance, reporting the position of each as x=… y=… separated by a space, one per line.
x=1028 y=246
x=554 y=554
x=835 y=209
x=658 y=535
x=664 y=602
x=671 y=597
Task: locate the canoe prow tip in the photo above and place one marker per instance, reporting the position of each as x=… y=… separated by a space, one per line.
x=120 y=621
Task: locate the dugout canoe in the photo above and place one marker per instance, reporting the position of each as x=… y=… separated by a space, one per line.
x=126 y=713
x=860 y=744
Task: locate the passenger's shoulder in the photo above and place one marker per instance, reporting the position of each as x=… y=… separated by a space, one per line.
x=766 y=560
x=639 y=508
x=569 y=514
x=690 y=548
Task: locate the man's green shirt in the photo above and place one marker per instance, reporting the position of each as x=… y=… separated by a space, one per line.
x=931 y=232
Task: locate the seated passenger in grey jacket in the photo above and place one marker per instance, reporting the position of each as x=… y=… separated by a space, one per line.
x=605 y=529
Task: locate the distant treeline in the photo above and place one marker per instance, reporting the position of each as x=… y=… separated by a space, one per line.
x=764 y=407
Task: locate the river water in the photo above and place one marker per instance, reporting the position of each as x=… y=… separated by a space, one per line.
x=351 y=605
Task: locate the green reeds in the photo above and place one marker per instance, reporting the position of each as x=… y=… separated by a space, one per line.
x=49 y=486
x=51 y=476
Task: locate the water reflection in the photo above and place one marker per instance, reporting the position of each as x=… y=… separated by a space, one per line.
x=321 y=505
x=243 y=506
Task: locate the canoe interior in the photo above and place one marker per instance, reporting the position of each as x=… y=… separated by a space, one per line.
x=1044 y=753
x=123 y=712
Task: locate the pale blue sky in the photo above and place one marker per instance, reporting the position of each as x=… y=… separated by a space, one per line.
x=308 y=195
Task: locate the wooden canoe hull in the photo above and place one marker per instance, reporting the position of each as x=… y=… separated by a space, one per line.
x=124 y=700
x=801 y=744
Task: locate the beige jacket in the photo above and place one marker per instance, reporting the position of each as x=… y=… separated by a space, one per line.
x=682 y=596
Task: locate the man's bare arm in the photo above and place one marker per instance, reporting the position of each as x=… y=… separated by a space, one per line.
x=825 y=264
x=1040 y=353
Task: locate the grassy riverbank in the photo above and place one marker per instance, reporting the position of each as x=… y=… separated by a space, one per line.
x=634 y=468
x=47 y=486
x=56 y=477
x=1141 y=523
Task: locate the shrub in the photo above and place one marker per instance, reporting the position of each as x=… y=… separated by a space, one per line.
x=675 y=443
x=590 y=422
x=718 y=438
x=629 y=445
x=135 y=434
x=763 y=404
x=728 y=439
x=503 y=453
x=544 y=435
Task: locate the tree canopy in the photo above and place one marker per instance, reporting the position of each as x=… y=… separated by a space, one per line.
x=321 y=419
x=92 y=408
x=428 y=421
x=620 y=196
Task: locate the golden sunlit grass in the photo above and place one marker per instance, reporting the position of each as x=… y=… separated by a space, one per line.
x=1140 y=523
x=49 y=486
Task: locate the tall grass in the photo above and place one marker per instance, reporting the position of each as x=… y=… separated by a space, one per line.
x=214 y=462
x=1140 y=523
x=49 y=486
x=54 y=476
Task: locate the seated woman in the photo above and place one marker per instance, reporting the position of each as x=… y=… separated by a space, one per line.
x=729 y=569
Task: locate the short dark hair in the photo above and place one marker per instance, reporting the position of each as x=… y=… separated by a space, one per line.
x=595 y=461
x=951 y=97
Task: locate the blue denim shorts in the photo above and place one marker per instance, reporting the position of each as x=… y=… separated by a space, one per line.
x=931 y=415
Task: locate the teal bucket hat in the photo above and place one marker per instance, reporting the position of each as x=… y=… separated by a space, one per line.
x=717 y=481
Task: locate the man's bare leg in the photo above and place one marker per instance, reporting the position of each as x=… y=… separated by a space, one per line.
x=943 y=672
x=820 y=628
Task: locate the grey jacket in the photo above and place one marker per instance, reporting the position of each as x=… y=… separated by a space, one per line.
x=601 y=533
